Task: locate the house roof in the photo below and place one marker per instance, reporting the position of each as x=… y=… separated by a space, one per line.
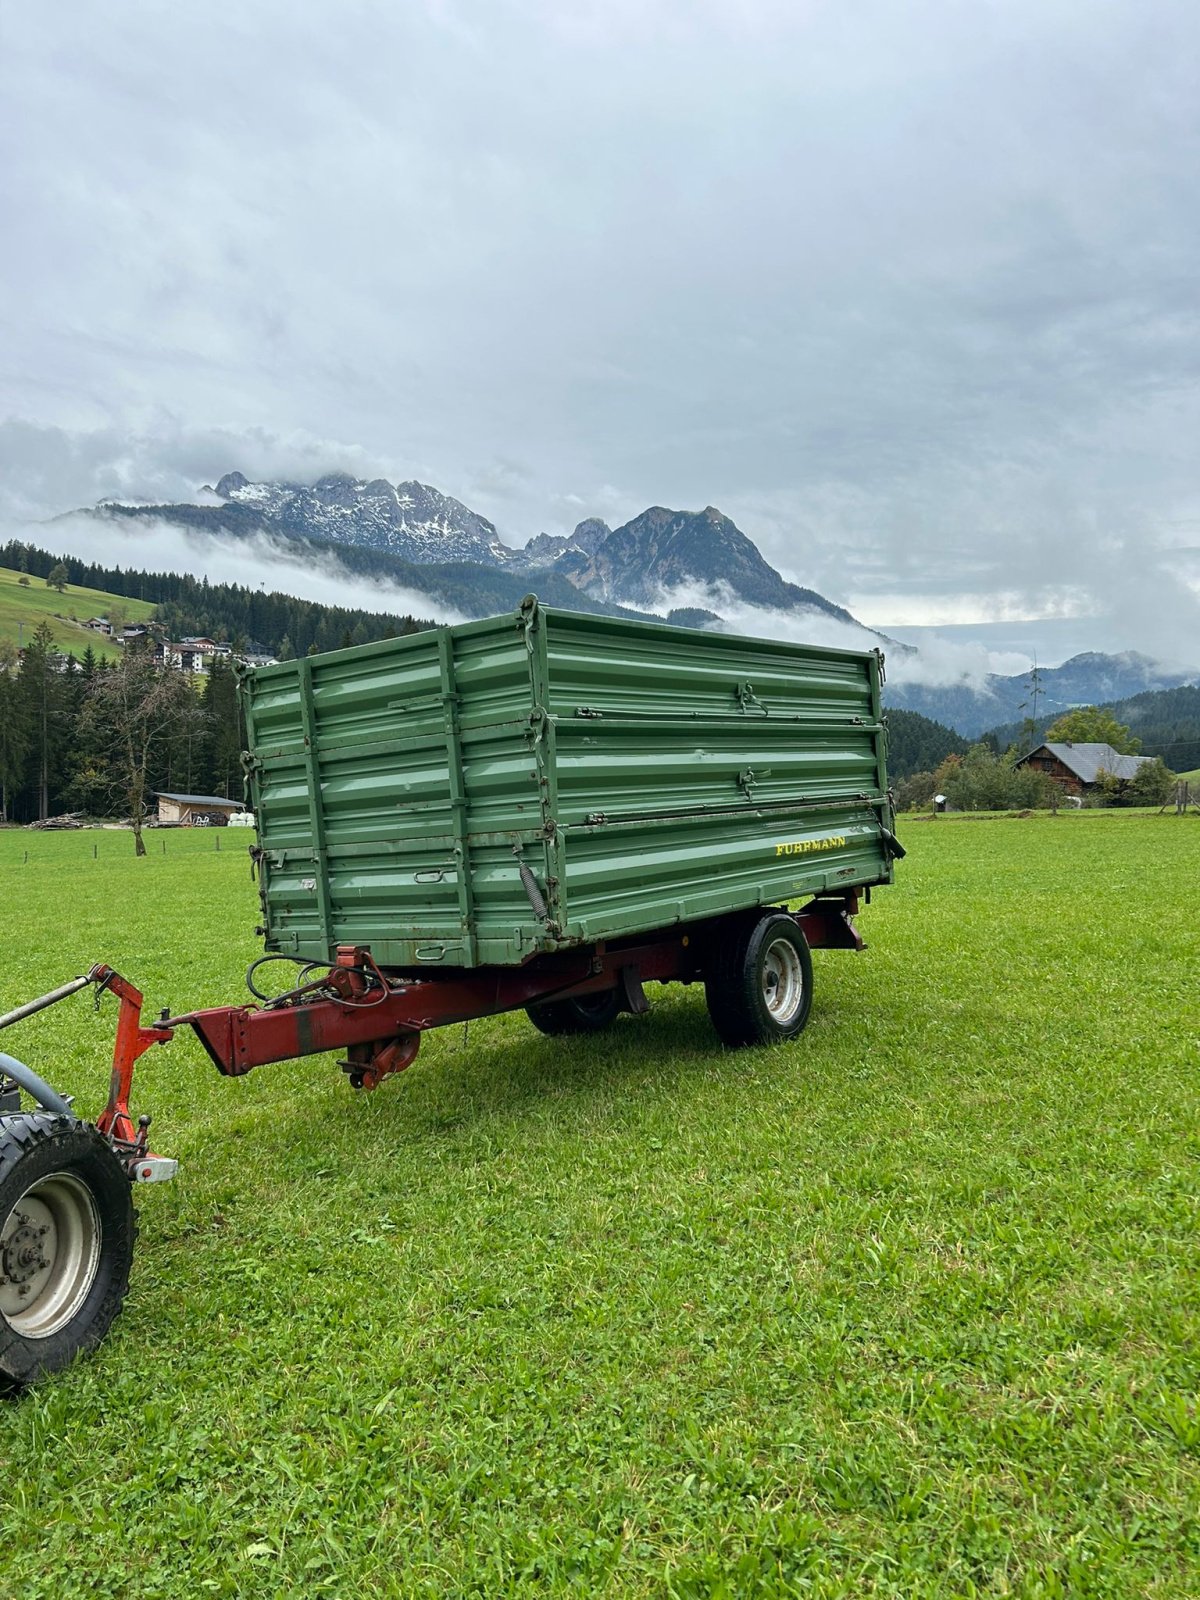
x=199 y=799
x=1087 y=761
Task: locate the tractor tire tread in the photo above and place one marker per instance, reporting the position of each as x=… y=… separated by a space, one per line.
x=67 y=1143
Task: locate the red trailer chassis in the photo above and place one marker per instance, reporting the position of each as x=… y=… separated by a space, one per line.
x=378 y=1018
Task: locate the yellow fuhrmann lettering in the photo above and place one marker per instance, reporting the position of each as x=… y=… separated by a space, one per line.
x=804 y=847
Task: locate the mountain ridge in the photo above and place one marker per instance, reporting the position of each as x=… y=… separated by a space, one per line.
x=637 y=565
x=1089 y=678
x=663 y=550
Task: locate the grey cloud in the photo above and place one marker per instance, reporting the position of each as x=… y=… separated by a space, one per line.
x=908 y=288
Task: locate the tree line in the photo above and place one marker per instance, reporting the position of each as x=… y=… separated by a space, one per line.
x=77 y=740
x=916 y=743
x=280 y=624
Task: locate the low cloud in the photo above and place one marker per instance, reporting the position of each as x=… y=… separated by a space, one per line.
x=260 y=562
x=46 y=470
x=938 y=662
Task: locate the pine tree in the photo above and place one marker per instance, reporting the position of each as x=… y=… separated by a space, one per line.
x=14 y=729
x=40 y=692
x=223 y=731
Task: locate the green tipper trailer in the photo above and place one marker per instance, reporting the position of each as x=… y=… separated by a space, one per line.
x=485 y=795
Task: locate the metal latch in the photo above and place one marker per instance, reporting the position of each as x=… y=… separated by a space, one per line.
x=587 y=711
x=747 y=699
x=748 y=778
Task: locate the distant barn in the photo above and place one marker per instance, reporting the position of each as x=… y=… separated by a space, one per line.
x=190 y=809
x=1076 y=768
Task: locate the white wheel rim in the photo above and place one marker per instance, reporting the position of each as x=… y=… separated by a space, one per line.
x=49 y=1254
x=782 y=981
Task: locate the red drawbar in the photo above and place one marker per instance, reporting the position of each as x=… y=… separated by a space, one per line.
x=378 y=1020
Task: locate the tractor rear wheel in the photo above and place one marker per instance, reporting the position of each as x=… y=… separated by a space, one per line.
x=67 y=1231
x=589 y=1013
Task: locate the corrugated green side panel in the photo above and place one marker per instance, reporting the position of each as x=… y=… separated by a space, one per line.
x=643 y=774
x=701 y=774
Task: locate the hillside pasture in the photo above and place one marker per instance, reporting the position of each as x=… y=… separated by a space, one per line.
x=22 y=607
x=908 y=1308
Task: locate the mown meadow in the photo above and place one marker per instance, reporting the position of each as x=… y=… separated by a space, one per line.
x=908 y=1308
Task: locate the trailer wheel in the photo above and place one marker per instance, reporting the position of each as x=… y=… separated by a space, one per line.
x=759 y=982
x=589 y=1013
x=67 y=1230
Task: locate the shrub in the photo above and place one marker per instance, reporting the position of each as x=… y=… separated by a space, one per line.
x=982 y=781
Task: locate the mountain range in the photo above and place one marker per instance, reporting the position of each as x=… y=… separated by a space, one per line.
x=1088 y=679
x=411 y=535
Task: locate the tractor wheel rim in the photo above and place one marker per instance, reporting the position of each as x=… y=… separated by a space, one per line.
x=782 y=981
x=49 y=1255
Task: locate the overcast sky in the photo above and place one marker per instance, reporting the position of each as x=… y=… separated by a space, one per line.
x=909 y=288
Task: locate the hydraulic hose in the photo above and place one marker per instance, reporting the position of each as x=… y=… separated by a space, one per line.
x=41 y=1091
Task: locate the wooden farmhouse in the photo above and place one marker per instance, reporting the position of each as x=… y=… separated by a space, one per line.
x=1077 y=767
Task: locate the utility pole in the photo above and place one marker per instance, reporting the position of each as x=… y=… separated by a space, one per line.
x=1035 y=691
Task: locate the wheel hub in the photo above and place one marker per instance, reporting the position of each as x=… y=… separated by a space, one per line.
x=782 y=980
x=49 y=1254
x=22 y=1258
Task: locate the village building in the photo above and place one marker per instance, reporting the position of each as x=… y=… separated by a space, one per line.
x=196 y=810
x=99 y=625
x=186 y=656
x=1077 y=768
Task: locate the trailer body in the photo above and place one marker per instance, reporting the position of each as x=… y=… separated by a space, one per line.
x=481 y=795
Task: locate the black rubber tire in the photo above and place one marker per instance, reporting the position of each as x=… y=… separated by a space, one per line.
x=738 y=982
x=590 y=1013
x=42 y=1146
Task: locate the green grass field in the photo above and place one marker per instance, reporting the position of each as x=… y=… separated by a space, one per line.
x=21 y=609
x=909 y=1308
